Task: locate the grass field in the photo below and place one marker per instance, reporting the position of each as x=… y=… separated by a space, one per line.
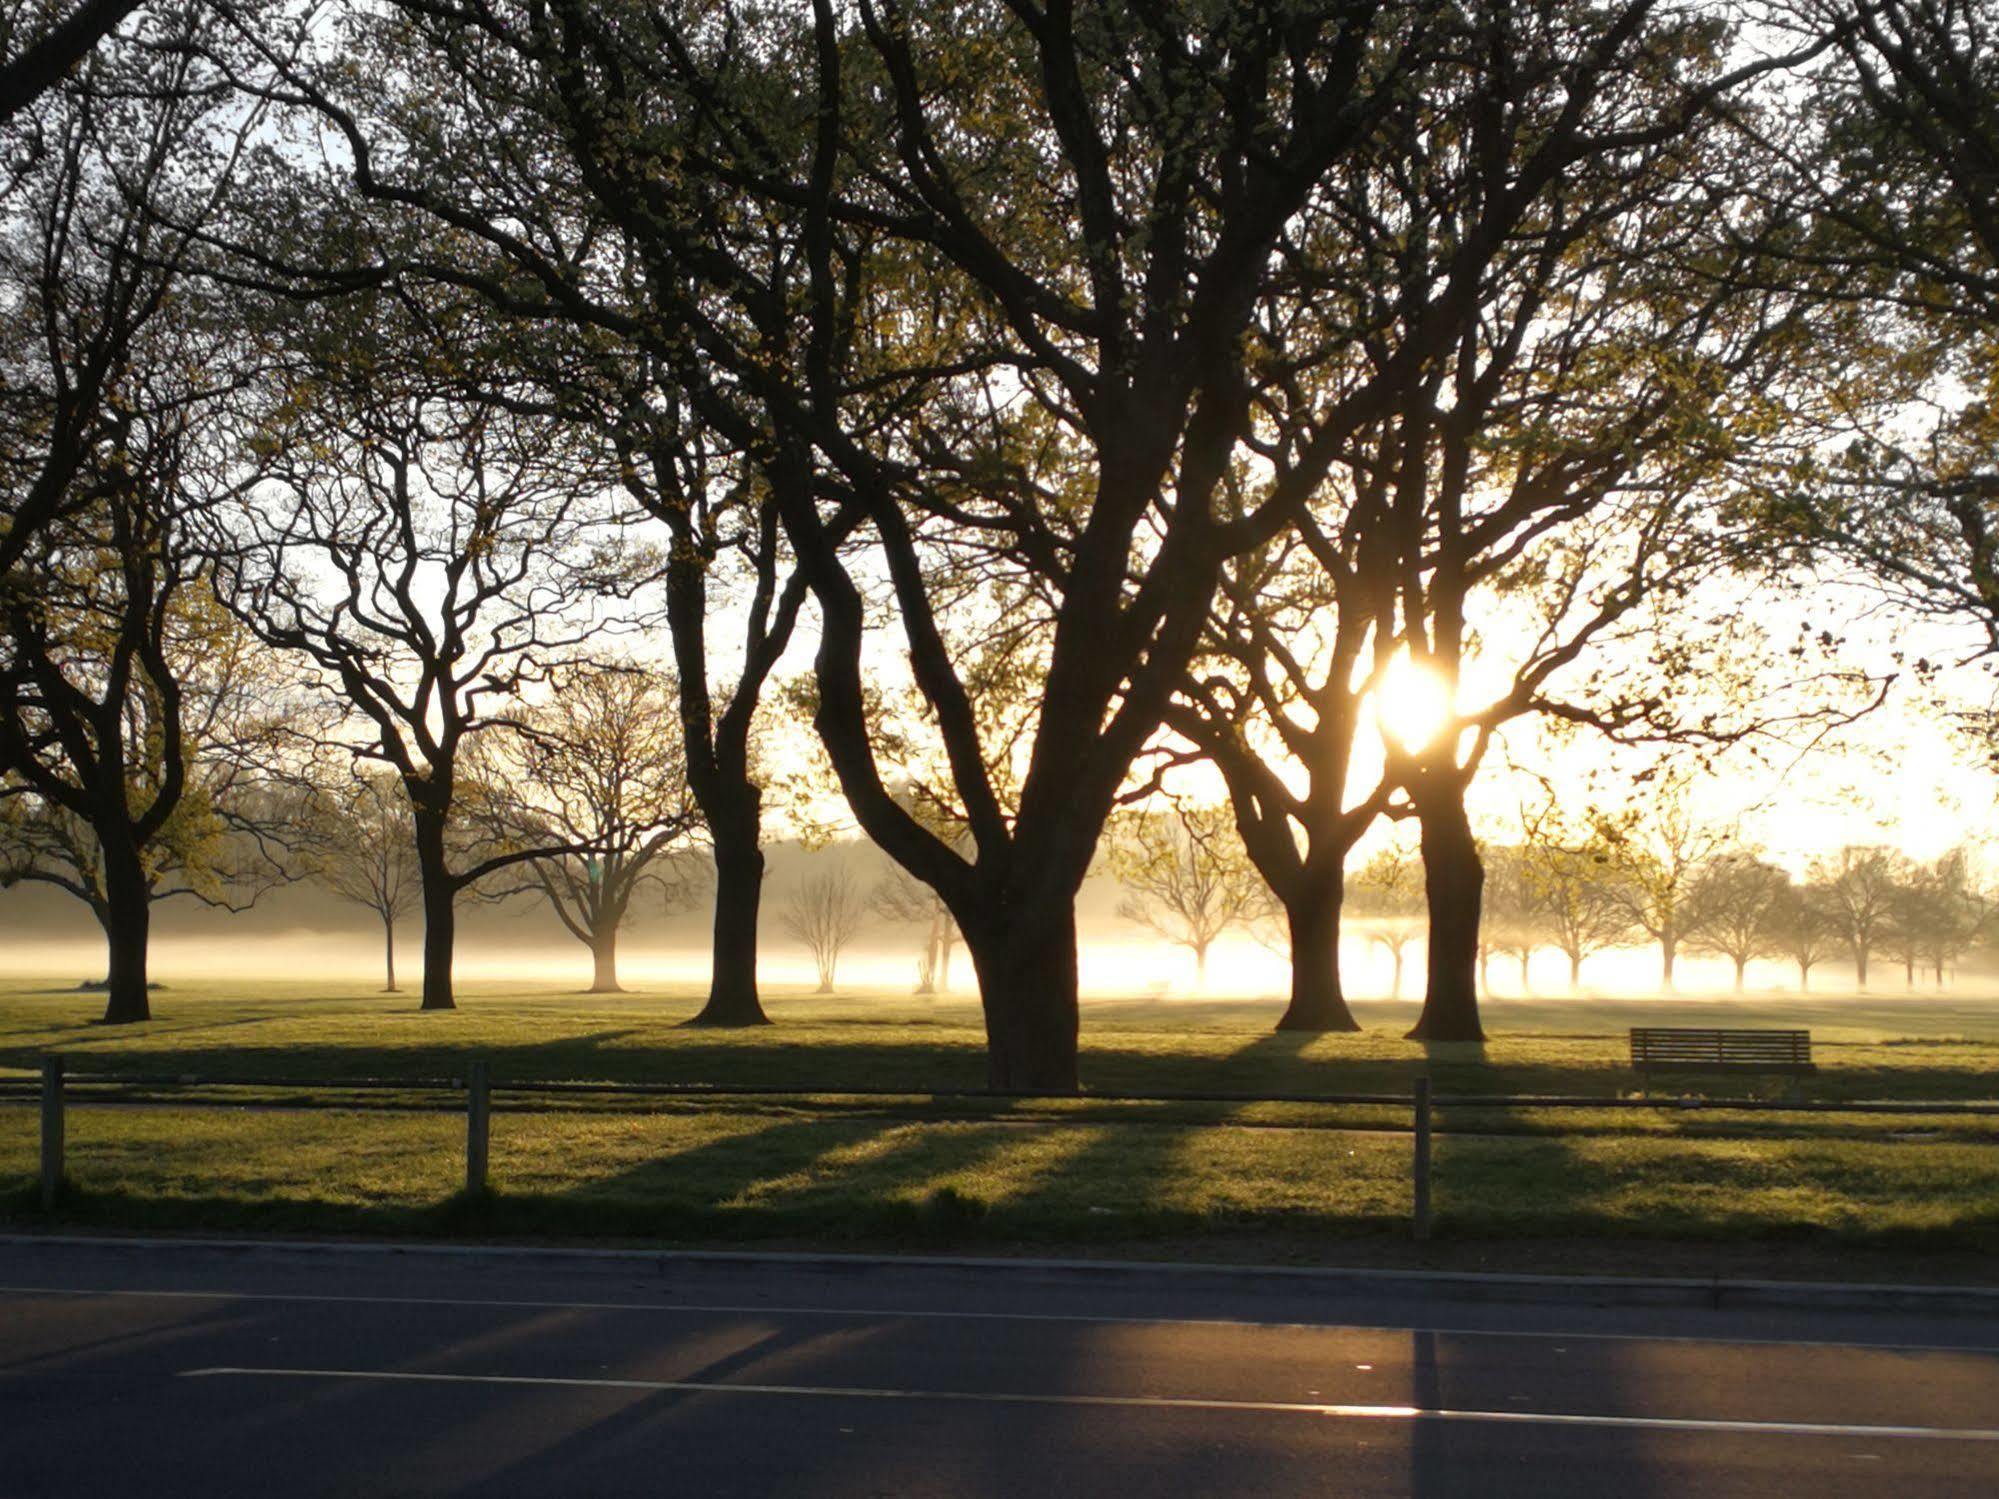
x=1082 y=1175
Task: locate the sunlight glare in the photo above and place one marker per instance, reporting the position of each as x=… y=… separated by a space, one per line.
x=1413 y=704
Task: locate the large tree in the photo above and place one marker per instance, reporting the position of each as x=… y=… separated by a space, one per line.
x=431 y=551
x=962 y=282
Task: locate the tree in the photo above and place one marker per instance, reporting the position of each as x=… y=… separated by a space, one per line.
x=1803 y=928
x=1938 y=912
x=362 y=847
x=1662 y=851
x=1733 y=909
x=598 y=770
x=115 y=681
x=1387 y=893
x=902 y=901
x=1858 y=889
x=1186 y=876
x=1902 y=184
x=825 y=911
x=1566 y=872
x=1021 y=349
x=431 y=550
x=1512 y=922
x=35 y=58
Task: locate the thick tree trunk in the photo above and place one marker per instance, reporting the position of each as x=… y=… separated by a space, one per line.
x=440 y=911
x=1669 y=952
x=1317 y=1003
x=1454 y=885
x=389 y=954
x=1804 y=978
x=1860 y=968
x=604 y=962
x=1575 y=971
x=127 y=928
x=1027 y=987
x=739 y=878
x=1741 y=974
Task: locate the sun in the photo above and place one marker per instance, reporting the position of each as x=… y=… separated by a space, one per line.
x=1412 y=704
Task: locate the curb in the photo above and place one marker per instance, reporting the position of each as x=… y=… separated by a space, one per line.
x=1715 y=1293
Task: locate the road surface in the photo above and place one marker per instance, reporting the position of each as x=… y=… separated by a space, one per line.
x=163 y=1371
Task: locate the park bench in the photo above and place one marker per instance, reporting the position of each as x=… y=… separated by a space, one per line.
x=1685 y=1049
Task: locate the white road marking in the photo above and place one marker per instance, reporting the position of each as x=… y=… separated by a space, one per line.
x=1129 y=1402
x=936 y=1314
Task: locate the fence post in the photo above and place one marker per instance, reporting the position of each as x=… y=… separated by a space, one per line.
x=52 y=1131
x=1419 y=1218
x=478 y=1116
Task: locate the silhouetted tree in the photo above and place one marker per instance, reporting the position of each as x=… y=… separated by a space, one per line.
x=430 y=552
x=41 y=43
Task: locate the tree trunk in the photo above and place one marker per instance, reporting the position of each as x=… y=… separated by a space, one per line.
x=1804 y=978
x=1453 y=885
x=1027 y=988
x=1525 y=987
x=739 y=881
x=1200 y=968
x=389 y=953
x=440 y=911
x=1395 y=978
x=1575 y=971
x=826 y=974
x=1317 y=1003
x=1669 y=952
x=127 y=928
x=1741 y=974
x=1860 y=968
x=604 y=962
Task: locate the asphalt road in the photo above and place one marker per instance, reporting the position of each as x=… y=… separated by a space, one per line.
x=159 y=1371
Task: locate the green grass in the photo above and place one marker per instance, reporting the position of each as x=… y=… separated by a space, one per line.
x=1045 y=1175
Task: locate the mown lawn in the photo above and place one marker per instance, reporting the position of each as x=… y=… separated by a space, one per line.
x=1041 y=1175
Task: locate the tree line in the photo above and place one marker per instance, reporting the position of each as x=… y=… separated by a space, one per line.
x=1141 y=383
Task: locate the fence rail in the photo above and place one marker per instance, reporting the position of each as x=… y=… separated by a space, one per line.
x=58 y=1087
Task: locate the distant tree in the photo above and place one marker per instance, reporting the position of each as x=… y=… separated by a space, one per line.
x=1187 y=877
x=1387 y=894
x=1660 y=848
x=903 y=901
x=825 y=911
x=598 y=771
x=1511 y=921
x=362 y=847
x=1937 y=914
x=1802 y=928
x=1859 y=888
x=1568 y=869
x=1733 y=910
